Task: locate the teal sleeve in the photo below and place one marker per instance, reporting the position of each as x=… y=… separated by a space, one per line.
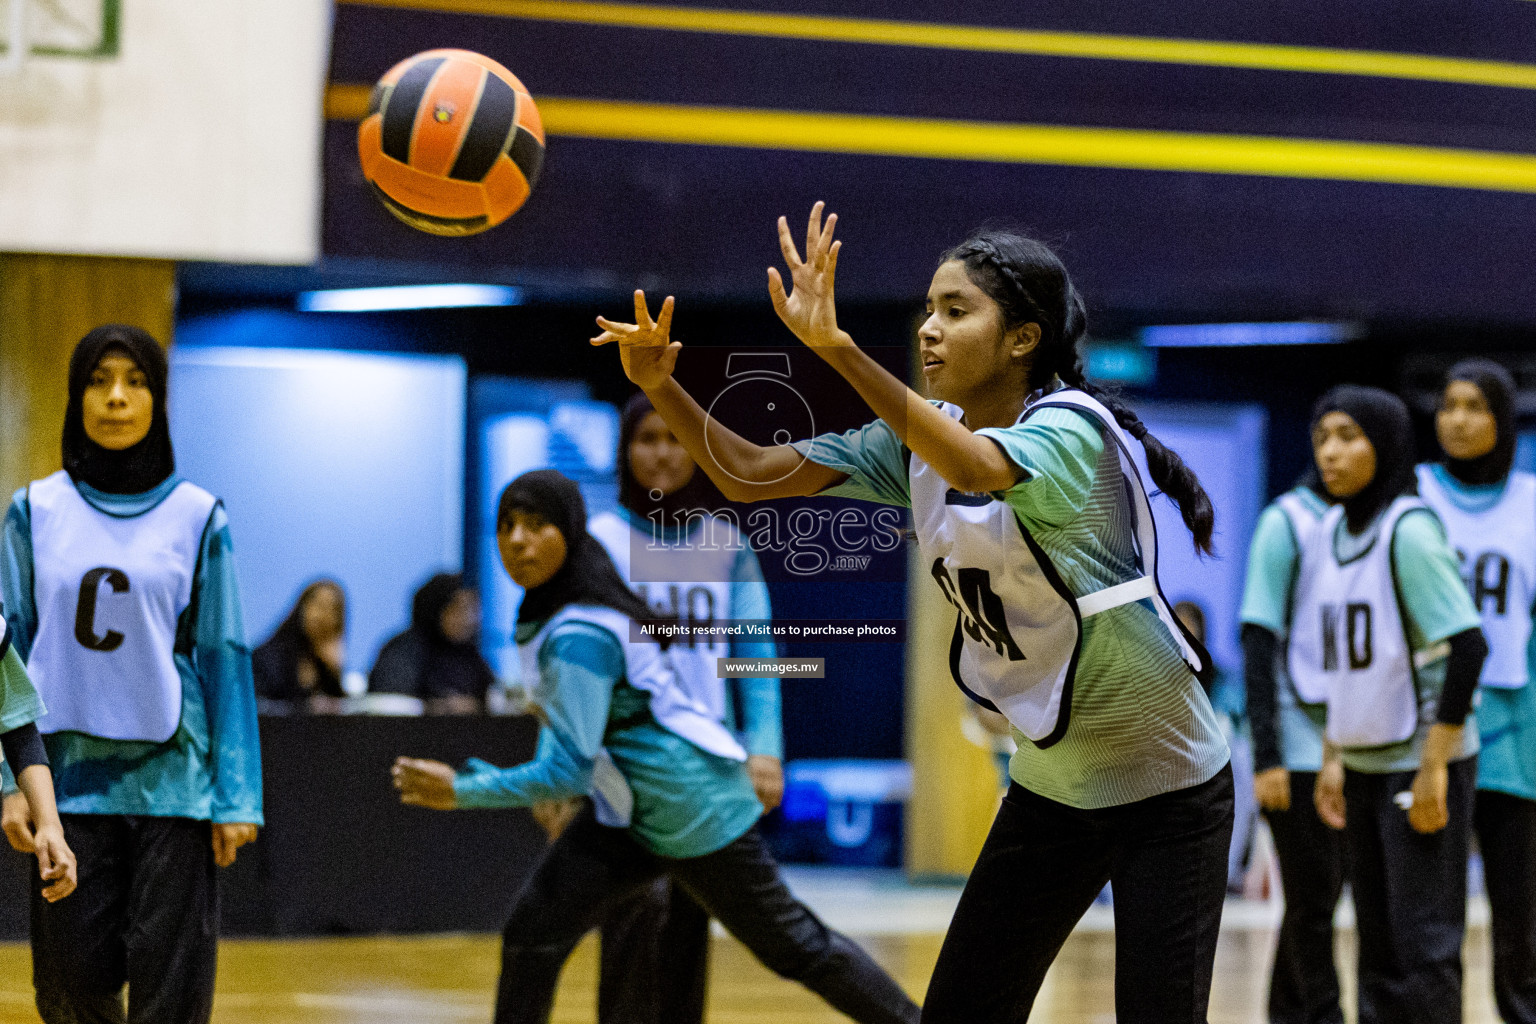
x=1272 y=566
x=16 y=601
x=221 y=657
x=19 y=702
x=1429 y=582
x=1057 y=452
x=16 y=593
x=579 y=664
x=873 y=458
x=762 y=729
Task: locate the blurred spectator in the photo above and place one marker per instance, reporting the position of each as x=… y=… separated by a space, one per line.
x=300 y=667
x=438 y=659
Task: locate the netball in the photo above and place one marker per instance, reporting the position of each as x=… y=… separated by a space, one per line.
x=452 y=143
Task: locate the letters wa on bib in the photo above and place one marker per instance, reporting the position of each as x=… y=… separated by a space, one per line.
x=1019 y=630
x=1497 y=551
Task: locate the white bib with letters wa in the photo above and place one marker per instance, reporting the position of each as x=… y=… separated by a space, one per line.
x=646 y=667
x=1015 y=644
x=1349 y=647
x=1497 y=551
x=697 y=591
x=109 y=592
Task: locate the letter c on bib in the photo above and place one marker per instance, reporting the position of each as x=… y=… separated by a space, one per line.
x=85 y=611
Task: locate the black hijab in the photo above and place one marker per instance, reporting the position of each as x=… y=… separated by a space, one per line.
x=275 y=663
x=448 y=667
x=1498 y=388
x=587 y=576
x=136 y=469
x=697 y=493
x=1384 y=419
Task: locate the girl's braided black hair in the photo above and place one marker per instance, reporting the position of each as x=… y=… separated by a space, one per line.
x=1030 y=283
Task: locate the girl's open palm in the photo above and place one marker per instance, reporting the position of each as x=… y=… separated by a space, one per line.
x=645 y=347
x=809 y=309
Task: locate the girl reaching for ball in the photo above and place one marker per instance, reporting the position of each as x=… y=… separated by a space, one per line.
x=671 y=793
x=1122 y=773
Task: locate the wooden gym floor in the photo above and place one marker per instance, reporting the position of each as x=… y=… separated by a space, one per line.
x=450 y=978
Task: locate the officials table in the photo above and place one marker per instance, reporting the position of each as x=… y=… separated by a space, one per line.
x=341 y=855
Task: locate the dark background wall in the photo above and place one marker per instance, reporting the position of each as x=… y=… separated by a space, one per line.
x=1423 y=271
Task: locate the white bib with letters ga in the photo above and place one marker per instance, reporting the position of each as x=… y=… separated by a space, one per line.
x=1016 y=639
x=109 y=592
x=1349 y=647
x=697 y=591
x=646 y=667
x=1497 y=551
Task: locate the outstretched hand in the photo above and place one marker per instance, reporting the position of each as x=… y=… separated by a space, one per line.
x=645 y=347
x=424 y=783
x=809 y=310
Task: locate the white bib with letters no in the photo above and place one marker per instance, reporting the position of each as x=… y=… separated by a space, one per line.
x=109 y=591
x=1349 y=647
x=646 y=667
x=1497 y=550
x=697 y=591
x=1019 y=625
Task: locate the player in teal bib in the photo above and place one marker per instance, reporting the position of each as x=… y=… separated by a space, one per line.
x=1287 y=754
x=1382 y=630
x=1033 y=519
x=1489 y=509
x=120 y=593
x=690 y=566
x=670 y=793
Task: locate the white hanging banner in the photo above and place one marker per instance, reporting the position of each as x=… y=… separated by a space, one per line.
x=177 y=129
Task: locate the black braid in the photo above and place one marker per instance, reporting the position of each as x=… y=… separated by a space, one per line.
x=1030 y=284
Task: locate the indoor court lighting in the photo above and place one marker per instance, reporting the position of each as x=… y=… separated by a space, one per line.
x=1304 y=332
x=410 y=296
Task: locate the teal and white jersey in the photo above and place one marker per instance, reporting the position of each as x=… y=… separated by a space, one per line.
x=1434 y=607
x=703 y=574
x=1506 y=718
x=684 y=801
x=210 y=768
x=19 y=703
x=1139 y=722
x=1274 y=556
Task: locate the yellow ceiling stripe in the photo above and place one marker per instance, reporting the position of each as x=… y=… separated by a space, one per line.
x=1255 y=56
x=1066 y=145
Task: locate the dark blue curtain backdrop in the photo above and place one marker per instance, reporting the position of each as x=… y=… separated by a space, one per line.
x=697 y=219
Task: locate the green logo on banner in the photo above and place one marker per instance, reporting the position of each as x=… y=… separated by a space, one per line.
x=84 y=29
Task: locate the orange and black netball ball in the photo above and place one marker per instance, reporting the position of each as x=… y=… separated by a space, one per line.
x=452 y=143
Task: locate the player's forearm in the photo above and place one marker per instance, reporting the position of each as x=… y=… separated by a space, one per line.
x=1259 y=646
x=967 y=462
x=36 y=783
x=742 y=470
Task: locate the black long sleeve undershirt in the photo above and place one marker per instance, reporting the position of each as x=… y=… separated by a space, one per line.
x=1463 y=666
x=23 y=748
x=1259 y=647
